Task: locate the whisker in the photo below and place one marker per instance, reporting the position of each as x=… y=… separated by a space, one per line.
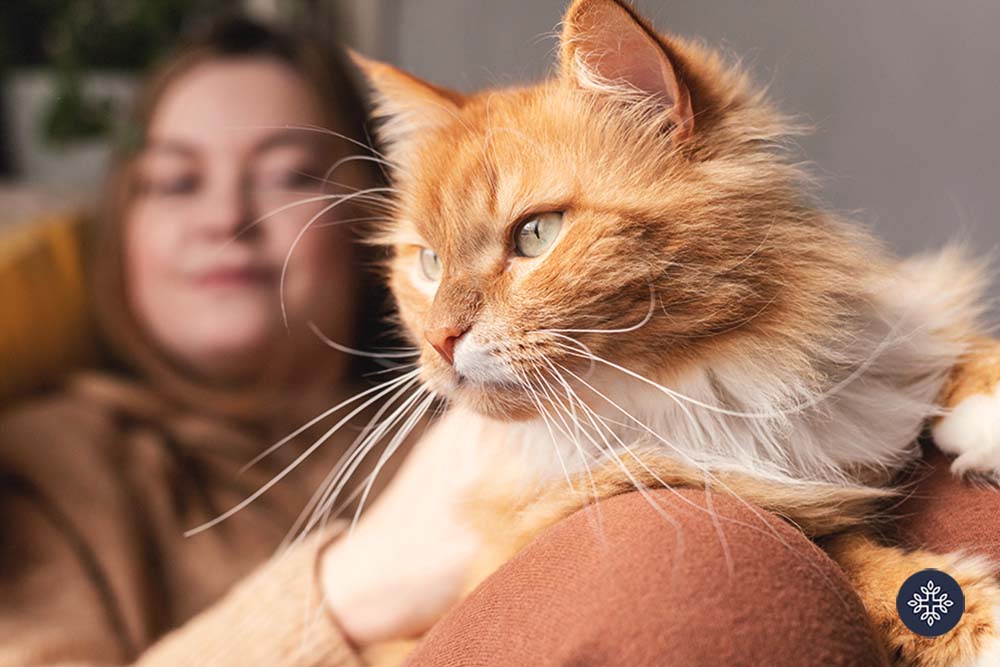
x=281 y=209
x=710 y=477
x=546 y=421
x=634 y=327
x=575 y=439
x=326 y=413
x=355 y=158
x=318 y=129
x=663 y=484
x=394 y=367
x=319 y=497
x=677 y=397
x=287 y=470
x=334 y=223
x=360 y=353
x=350 y=465
x=298 y=237
x=638 y=485
x=393 y=446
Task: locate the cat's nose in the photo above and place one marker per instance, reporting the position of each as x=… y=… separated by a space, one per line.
x=443 y=340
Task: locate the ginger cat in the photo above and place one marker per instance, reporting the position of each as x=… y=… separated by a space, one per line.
x=620 y=272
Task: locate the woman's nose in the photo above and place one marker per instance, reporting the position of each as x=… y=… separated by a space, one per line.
x=226 y=210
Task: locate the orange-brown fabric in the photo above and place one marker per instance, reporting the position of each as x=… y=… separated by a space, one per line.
x=945 y=513
x=626 y=586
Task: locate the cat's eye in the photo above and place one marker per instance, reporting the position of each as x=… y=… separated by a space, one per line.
x=533 y=237
x=430 y=264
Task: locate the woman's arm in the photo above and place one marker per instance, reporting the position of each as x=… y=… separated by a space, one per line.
x=276 y=617
x=56 y=609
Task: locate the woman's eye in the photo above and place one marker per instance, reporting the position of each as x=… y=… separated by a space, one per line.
x=534 y=237
x=171 y=187
x=291 y=178
x=430 y=264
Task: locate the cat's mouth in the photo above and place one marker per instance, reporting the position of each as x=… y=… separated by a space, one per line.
x=483 y=379
x=463 y=382
x=480 y=365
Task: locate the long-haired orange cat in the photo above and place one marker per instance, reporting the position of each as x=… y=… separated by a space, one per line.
x=620 y=273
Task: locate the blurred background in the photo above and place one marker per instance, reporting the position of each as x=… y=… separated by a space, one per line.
x=903 y=94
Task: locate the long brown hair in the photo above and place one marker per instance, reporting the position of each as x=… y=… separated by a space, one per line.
x=128 y=348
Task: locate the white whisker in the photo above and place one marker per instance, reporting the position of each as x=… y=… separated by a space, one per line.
x=319 y=498
x=360 y=353
x=548 y=426
x=634 y=327
x=709 y=476
x=391 y=449
x=326 y=413
x=298 y=237
x=575 y=439
x=347 y=467
x=287 y=470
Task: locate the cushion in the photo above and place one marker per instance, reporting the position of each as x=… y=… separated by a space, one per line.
x=45 y=322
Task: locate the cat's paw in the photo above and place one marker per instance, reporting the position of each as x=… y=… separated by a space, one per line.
x=971 y=431
x=975 y=641
x=989 y=654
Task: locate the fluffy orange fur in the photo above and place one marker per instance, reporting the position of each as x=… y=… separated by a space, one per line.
x=689 y=243
x=641 y=210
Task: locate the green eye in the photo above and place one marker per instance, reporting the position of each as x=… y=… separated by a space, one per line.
x=534 y=237
x=430 y=264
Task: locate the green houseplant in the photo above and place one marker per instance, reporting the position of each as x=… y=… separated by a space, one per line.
x=70 y=69
x=73 y=38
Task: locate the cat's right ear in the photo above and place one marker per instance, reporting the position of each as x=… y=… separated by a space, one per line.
x=405 y=105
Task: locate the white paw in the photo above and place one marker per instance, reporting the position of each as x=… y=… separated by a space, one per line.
x=989 y=653
x=971 y=431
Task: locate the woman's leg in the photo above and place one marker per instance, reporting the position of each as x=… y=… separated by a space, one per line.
x=630 y=586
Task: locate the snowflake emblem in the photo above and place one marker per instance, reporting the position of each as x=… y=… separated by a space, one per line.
x=930 y=602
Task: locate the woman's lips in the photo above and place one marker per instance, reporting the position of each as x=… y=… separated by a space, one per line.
x=235 y=276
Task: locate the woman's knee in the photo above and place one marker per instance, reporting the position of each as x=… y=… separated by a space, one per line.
x=697 y=580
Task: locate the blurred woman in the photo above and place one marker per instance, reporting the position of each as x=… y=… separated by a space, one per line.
x=101 y=480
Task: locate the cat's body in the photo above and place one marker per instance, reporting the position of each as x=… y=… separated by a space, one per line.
x=621 y=277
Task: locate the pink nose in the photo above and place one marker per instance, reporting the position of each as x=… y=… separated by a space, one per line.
x=443 y=340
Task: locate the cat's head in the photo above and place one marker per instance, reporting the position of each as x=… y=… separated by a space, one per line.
x=633 y=208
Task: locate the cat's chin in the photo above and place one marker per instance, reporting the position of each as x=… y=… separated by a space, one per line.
x=500 y=402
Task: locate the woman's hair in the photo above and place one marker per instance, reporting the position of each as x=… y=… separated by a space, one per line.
x=129 y=349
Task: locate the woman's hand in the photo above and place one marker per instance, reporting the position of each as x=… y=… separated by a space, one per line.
x=408 y=559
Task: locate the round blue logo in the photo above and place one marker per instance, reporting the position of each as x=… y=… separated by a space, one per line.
x=930 y=603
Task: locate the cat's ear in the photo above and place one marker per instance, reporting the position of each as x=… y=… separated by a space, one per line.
x=406 y=105
x=608 y=48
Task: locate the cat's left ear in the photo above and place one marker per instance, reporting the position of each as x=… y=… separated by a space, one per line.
x=608 y=48
x=407 y=106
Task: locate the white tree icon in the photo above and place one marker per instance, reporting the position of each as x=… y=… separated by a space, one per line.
x=930 y=602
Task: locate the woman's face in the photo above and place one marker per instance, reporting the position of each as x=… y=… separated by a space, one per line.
x=203 y=274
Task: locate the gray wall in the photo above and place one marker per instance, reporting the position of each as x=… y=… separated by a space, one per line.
x=903 y=93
